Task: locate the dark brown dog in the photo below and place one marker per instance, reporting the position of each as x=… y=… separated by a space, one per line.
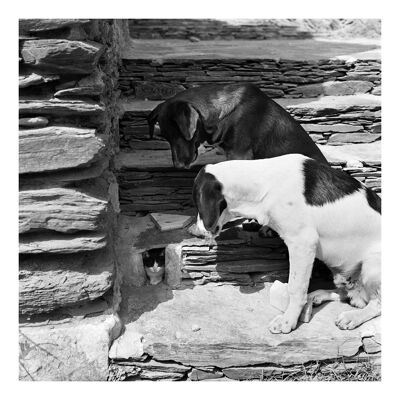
x=241 y=119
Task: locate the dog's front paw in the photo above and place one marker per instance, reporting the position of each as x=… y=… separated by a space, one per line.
x=347 y=320
x=282 y=324
x=317 y=297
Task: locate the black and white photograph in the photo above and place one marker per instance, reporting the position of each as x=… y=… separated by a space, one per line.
x=199 y=199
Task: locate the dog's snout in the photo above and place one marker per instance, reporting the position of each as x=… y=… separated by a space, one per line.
x=216 y=230
x=178 y=164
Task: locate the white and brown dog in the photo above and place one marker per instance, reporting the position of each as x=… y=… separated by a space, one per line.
x=318 y=211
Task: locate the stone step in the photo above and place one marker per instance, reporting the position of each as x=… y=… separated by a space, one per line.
x=298 y=50
x=158 y=69
x=149 y=183
x=226 y=327
x=331 y=120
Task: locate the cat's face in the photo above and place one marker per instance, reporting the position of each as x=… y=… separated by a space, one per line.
x=153 y=261
x=155 y=273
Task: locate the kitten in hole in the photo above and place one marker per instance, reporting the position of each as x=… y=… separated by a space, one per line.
x=154 y=265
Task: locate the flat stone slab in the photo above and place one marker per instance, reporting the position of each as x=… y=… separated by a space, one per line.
x=158 y=159
x=51 y=281
x=368 y=153
x=61 y=210
x=307 y=106
x=68 y=56
x=145 y=160
x=76 y=350
x=327 y=105
x=169 y=222
x=42 y=150
x=309 y=49
x=141 y=234
x=226 y=326
x=58 y=243
x=60 y=107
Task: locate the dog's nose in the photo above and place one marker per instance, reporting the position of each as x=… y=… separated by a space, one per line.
x=216 y=231
x=178 y=164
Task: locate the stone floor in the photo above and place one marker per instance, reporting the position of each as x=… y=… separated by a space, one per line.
x=226 y=326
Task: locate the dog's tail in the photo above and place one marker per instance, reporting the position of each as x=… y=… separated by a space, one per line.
x=152 y=119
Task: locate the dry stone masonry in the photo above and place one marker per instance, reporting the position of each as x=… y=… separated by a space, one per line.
x=68 y=195
x=160 y=79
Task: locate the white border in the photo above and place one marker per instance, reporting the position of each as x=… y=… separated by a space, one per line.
x=201 y=9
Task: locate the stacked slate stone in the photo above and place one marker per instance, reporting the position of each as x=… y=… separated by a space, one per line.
x=158 y=80
x=155 y=191
x=209 y=29
x=247 y=260
x=341 y=120
x=147 y=368
x=68 y=133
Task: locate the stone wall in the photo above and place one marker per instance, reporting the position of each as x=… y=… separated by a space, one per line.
x=211 y=29
x=68 y=136
x=158 y=80
x=148 y=182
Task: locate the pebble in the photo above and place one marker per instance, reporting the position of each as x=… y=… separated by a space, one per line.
x=178 y=335
x=354 y=164
x=195 y=328
x=35 y=122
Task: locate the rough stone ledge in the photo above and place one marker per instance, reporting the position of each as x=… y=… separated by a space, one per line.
x=35 y=79
x=61 y=210
x=73 y=351
x=41 y=25
x=42 y=150
x=61 y=178
x=55 y=107
x=67 y=56
x=48 y=282
x=59 y=243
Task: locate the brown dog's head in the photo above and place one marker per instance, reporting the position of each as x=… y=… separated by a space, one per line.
x=179 y=125
x=209 y=200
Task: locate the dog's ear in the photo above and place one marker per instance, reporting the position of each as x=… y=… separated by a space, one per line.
x=186 y=117
x=152 y=119
x=208 y=198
